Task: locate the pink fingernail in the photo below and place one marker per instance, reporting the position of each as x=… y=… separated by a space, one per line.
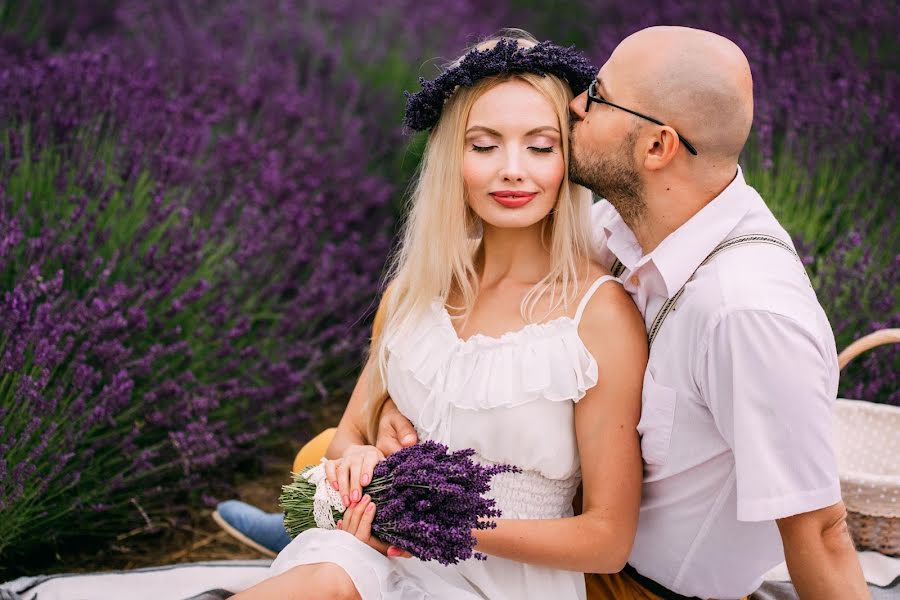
x=355 y=495
x=364 y=479
x=370 y=507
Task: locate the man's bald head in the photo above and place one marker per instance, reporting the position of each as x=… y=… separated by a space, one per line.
x=696 y=81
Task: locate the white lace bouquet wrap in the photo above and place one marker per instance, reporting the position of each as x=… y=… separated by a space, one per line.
x=325 y=500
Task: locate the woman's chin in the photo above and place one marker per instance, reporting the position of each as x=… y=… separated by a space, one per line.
x=515 y=218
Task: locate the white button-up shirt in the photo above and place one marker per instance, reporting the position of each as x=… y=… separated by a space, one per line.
x=736 y=425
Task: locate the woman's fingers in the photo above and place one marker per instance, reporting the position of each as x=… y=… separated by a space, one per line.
x=367 y=514
x=395 y=552
x=356 y=515
x=362 y=529
x=368 y=468
x=346 y=519
x=355 y=487
x=331 y=474
x=343 y=476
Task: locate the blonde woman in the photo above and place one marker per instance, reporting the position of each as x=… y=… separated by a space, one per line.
x=497 y=333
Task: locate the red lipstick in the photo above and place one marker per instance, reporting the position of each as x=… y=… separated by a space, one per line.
x=513 y=199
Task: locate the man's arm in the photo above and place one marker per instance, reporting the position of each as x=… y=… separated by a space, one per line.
x=820 y=555
x=395 y=431
x=350 y=430
x=771 y=390
x=353 y=425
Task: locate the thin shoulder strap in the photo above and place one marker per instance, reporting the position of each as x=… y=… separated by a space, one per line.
x=587 y=295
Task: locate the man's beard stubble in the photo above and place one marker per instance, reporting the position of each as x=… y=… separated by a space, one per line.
x=611 y=176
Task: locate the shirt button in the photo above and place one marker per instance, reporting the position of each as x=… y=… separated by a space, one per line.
x=634 y=280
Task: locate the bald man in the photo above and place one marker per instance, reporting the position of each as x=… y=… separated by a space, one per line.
x=736 y=427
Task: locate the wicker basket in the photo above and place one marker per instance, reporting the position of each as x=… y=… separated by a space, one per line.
x=868 y=448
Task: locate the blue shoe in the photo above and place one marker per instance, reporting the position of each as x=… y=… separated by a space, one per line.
x=260 y=530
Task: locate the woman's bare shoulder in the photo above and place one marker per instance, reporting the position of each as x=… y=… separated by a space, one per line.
x=610 y=306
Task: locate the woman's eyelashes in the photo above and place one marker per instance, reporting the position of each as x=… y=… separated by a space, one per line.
x=540 y=149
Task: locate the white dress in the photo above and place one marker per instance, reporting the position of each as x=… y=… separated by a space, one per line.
x=511 y=398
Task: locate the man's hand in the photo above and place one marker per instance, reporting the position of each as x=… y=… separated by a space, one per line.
x=820 y=555
x=395 y=431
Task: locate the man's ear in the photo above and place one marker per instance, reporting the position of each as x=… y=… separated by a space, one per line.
x=660 y=148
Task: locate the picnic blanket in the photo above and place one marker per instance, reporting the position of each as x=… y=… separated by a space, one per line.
x=216 y=580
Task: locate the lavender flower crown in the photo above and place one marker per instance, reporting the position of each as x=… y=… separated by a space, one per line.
x=423 y=109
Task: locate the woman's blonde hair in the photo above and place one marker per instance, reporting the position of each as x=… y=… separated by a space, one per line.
x=437 y=254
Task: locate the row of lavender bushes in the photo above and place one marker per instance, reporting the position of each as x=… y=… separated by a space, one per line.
x=192 y=227
x=196 y=203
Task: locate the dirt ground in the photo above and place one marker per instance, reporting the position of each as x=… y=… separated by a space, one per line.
x=197 y=539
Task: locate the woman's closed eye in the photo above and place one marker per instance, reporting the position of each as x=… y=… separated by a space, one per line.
x=541 y=149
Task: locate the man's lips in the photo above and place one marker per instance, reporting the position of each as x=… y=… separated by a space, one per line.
x=512 y=198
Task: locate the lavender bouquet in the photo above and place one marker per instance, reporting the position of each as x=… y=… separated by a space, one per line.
x=428 y=500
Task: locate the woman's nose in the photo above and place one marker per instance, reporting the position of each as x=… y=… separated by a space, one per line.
x=512 y=170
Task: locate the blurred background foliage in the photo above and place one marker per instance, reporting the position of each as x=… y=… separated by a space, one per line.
x=197 y=200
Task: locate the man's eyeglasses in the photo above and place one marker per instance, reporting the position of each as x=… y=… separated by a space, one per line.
x=593 y=97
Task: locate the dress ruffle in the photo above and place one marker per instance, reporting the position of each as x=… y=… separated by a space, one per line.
x=538 y=361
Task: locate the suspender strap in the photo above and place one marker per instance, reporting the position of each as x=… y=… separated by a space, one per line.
x=618 y=268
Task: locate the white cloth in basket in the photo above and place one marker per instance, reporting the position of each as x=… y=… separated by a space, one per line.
x=868 y=452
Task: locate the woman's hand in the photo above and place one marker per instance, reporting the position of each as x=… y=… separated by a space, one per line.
x=349 y=474
x=357 y=521
x=353 y=471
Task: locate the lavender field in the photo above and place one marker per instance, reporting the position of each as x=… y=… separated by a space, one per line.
x=197 y=200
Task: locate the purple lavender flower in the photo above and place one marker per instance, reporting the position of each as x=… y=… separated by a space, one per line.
x=423 y=108
x=429 y=500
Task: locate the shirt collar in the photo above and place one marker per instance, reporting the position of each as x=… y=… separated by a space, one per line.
x=681 y=252
x=621 y=241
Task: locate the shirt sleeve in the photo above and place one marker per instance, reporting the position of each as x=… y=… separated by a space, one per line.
x=771 y=387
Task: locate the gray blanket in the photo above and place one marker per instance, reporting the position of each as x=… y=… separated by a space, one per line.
x=36 y=588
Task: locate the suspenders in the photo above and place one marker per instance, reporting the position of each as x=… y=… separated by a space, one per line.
x=618 y=268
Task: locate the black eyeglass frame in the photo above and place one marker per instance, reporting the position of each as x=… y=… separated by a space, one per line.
x=593 y=97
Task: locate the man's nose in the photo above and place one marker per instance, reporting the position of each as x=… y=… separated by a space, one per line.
x=576 y=106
